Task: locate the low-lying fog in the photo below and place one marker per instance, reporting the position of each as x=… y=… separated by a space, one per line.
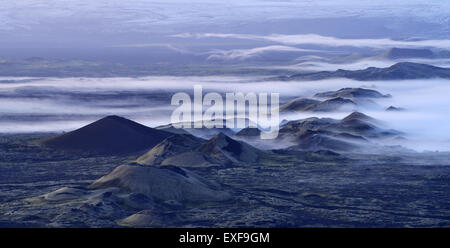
x=64 y=104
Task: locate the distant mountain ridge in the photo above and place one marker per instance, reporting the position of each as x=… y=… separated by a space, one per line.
x=310 y=105
x=402 y=70
x=352 y=93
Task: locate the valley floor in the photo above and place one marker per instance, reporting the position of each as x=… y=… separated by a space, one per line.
x=408 y=190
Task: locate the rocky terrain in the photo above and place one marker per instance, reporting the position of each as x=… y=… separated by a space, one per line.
x=354 y=93
x=46 y=188
x=319 y=172
x=323 y=179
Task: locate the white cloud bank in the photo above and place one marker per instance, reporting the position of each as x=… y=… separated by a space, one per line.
x=315 y=39
x=426 y=121
x=243 y=54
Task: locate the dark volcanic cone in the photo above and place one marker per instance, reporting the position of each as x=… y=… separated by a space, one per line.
x=392 y=108
x=167 y=183
x=358 y=116
x=112 y=135
x=249 y=132
x=164 y=152
x=190 y=151
x=225 y=148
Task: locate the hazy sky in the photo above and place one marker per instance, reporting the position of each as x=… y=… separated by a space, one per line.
x=115 y=30
x=138 y=15
x=55 y=18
